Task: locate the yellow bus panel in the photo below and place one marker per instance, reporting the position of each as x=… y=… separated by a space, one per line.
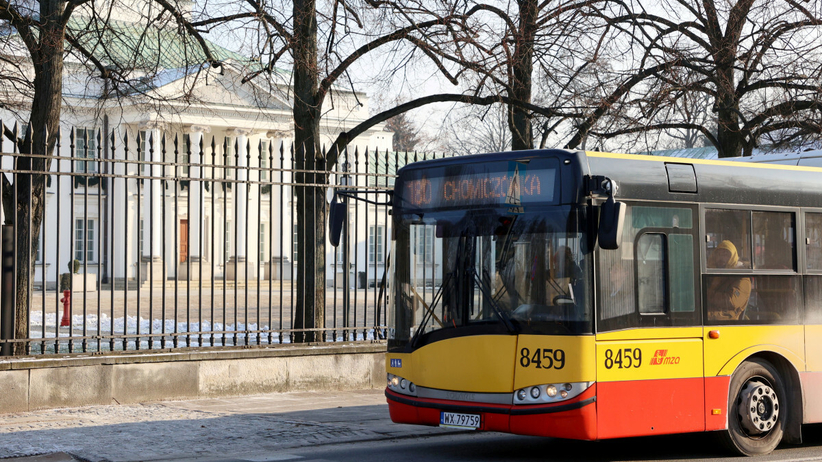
x=651 y=333
x=736 y=343
x=649 y=359
x=480 y=364
x=813 y=348
x=544 y=359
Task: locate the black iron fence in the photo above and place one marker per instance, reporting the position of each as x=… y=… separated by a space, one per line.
x=153 y=238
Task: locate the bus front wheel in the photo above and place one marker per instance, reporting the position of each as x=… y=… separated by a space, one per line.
x=757 y=408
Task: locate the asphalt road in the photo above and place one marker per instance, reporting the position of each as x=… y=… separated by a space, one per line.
x=318 y=426
x=499 y=447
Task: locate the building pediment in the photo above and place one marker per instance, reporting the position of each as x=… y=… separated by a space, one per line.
x=227 y=89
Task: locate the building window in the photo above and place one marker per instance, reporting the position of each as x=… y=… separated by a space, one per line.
x=140 y=241
x=340 y=252
x=184 y=156
x=375 y=244
x=424 y=238
x=227 y=241
x=39 y=255
x=228 y=158
x=262 y=243
x=264 y=161
x=85 y=240
x=294 y=243
x=85 y=147
x=143 y=154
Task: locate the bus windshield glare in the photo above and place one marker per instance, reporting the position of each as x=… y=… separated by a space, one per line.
x=467 y=272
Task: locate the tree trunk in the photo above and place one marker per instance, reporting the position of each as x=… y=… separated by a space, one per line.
x=519 y=120
x=311 y=205
x=728 y=132
x=40 y=139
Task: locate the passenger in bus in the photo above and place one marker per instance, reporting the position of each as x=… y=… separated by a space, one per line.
x=727 y=295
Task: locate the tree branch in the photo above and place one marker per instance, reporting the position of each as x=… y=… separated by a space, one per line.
x=660 y=126
x=23 y=25
x=400 y=34
x=620 y=91
x=345 y=137
x=191 y=30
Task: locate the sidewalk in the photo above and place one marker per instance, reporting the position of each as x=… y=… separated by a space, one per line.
x=253 y=428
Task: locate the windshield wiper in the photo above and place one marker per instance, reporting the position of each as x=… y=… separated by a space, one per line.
x=485 y=289
x=429 y=311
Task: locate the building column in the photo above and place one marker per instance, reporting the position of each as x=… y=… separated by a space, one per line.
x=151 y=262
x=279 y=268
x=240 y=263
x=196 y=267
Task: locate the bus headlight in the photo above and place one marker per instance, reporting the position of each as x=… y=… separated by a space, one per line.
x=401 y=385
x=550 y=393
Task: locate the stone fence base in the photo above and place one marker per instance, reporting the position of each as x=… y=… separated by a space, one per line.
x=29 y=384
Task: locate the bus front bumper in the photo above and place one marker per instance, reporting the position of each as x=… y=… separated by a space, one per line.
x=574 y=419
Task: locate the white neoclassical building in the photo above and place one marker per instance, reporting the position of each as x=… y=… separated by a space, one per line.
x=154 y=186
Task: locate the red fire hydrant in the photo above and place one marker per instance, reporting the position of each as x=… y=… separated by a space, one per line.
x=66 y=321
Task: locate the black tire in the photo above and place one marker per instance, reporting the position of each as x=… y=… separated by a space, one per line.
x=758 y=427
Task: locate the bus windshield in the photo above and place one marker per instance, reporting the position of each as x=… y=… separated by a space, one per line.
x=470 y=272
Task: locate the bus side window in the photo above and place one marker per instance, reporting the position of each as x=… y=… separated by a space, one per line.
x=774 y=240
x=683 y=287
x=813 y=236
x=652 y=263
x=813 y=258
x=813 y=299
x=731 y=229
x=748 y=296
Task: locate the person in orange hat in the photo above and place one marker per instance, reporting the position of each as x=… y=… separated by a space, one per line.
x=727 y=295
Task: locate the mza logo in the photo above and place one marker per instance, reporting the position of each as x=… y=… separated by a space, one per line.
x=661 y=358
x=395 y=362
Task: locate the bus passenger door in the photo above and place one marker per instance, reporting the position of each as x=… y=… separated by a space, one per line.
x=649 y=335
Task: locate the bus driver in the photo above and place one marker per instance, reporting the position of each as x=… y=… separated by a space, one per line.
x=727 y=295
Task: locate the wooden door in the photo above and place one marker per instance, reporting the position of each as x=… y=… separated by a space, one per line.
x=183 y=240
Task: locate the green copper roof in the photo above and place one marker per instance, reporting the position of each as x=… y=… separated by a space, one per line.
x=136 y=46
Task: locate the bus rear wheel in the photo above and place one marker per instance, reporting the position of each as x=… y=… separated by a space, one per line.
x=757 y=409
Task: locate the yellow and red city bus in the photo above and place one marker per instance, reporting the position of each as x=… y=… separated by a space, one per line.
x=590 y=296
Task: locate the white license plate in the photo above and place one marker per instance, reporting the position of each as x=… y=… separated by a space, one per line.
x=452 y=419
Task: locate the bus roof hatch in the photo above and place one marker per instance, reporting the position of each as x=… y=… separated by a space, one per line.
x=681 y=178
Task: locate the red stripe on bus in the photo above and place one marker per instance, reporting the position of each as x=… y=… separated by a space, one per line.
x=578 y=423
x=650 y=407
x=716 y=402
x=813 y=407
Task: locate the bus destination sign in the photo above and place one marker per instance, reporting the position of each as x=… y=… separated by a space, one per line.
x=470 y=185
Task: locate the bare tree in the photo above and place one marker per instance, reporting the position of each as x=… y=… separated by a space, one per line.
x=503 y=47
x=696 y=109
x=476 y=129
x=406 y=135
x=321 y=44
x=756 y=61
x=38 y=38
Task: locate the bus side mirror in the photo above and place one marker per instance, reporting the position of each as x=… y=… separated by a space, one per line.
x=336 y=218
x=611 y=218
